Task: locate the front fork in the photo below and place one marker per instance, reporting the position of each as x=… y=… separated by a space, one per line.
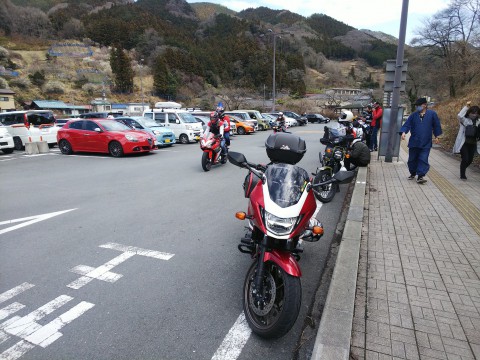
x=258 y=282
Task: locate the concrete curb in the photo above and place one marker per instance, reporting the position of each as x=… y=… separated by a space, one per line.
x=334 y=333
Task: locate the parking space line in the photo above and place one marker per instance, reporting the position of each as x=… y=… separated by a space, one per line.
x=235 y=340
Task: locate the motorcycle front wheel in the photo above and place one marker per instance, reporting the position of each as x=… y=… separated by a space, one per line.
x=206 y=162
x=277 y=310
x=324 y=193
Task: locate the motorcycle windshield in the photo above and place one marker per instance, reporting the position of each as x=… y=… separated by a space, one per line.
x=286 y=183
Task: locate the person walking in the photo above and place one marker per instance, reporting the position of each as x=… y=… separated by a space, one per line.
x=467 y=137
x=376 y=124
x=421 y=124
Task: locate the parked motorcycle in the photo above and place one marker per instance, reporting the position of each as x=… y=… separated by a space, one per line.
x=212 y=151
x=280 y=209
x=336 y=154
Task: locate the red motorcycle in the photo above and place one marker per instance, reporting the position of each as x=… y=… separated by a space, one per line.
x=280 y=210
x=212 y=151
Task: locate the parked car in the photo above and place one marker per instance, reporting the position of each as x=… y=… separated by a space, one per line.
x=60 y=122
x=313 y=118
x=164 y=136
x=103 y=136
x=243 y=127
x=288 y=120
x=30 y=126
x=301 y=120
x=270 y=118
x=245 y=117
x=263 y=123
x=6 y=140
x=182 y=122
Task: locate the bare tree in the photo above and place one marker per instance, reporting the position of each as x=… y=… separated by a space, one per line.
x=452 y=35
x=234 y=99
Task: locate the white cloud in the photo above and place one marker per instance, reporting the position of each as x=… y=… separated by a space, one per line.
x=378 y=15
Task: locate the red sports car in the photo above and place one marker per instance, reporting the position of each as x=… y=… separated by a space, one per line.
x=102 y=136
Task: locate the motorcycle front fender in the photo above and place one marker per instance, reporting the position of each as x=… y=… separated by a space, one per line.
x=285 y=260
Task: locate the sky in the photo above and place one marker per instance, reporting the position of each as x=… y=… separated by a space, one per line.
x=377 y=15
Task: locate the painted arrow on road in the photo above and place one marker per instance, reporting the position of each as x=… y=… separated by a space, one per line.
x=29 y=220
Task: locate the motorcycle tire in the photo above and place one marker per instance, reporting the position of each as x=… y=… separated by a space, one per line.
x=326 y=193
x=206 y=162
x=283 y=297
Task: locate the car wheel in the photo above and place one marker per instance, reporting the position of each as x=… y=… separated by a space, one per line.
x=65 y=147
x=18 y=143
x=261 y=128
x=183 y=139
x=241 y=131
x=8 y=150
x=115 y=149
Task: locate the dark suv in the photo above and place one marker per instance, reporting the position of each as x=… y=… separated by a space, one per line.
x=301 y=120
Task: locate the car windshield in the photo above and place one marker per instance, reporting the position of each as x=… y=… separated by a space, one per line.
x=286 y=183
x=147 y=122
x=112 y=125
x=187 y=117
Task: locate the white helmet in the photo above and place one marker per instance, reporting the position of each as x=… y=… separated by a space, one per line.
x=346 y=115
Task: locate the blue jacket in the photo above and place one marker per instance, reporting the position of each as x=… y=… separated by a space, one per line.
x=421 y=130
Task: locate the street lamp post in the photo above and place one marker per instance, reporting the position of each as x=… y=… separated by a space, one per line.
x=273 y=77
x=141 y=83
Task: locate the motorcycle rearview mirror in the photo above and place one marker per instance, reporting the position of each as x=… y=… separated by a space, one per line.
x=237 y=159
x=344 y=176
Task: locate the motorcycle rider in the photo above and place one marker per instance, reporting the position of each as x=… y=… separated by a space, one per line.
x=226 y=123
x=217 y=128
x=281 y=122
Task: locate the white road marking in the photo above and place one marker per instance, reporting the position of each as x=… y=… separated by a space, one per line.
x=49 y=333
x=10 y=309
x=7 y=295
x=235 y=340
x=139 y=251
x=16 y=351
x=26 y=325
x=29 y=220
x=103 y=271
x=33 y=333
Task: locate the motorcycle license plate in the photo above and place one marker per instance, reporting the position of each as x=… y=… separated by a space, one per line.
x=167 y=140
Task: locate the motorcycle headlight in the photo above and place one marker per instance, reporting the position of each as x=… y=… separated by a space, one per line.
x=279 y=226
x=338 y=155
x=131 y=138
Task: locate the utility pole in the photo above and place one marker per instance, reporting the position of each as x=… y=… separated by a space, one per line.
x=397 y=83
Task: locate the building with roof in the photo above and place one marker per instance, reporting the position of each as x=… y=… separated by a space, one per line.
x=59 y=107
x=7 y=102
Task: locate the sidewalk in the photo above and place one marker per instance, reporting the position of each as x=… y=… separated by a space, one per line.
x=418 y=277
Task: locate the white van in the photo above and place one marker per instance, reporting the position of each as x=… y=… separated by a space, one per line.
x=182 y=122
x=30 y=126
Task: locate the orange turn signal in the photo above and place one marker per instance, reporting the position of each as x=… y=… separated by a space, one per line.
x=240 y=215
x=328 y=150
x=317 y=230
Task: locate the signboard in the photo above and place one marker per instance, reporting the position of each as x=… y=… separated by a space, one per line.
x=390 y=75
x=384 y=134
